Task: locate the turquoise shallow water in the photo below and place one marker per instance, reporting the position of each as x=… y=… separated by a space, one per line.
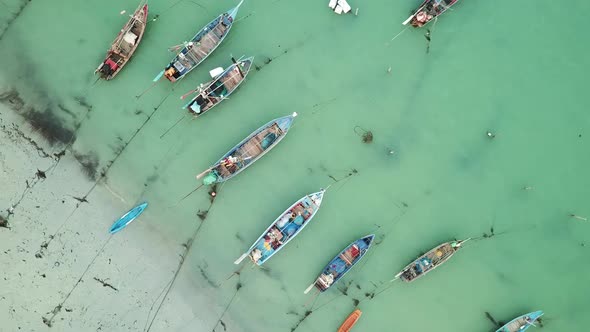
x=517 y=69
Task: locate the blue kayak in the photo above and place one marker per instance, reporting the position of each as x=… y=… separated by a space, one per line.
x=127 y=218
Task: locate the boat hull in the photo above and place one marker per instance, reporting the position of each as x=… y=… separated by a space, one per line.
x=340 y=265
x=200 y=46
x=249 y=150
x=285 y=227
x=350 y=321
x=429 y=261
x=115 y=57
x=220 y=88
x=521 y=323
x=428 y=11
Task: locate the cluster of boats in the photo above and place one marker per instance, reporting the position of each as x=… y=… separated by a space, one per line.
x=189 y=55
x=297 y=216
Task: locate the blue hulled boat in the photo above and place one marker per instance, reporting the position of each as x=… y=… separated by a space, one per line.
x=342 y=263
x=200 y=46
x=284 y=228
x=522 y=323
x=248 y=150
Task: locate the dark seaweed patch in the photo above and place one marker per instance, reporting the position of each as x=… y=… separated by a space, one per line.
x=89 y=163
x=239 y=237
x=66 y=110
x=83 y=102
x=104 y=284
x=49 y=126
x=491 y=319
x=305 y=315
x=3 y=222
x=206 y=276
x=202 y=214
x=12 y=99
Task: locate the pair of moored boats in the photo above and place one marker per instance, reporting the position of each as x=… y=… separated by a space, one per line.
x=356 y=250
x=190 y=54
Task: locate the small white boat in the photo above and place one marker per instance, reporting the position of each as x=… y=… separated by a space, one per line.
x=339 y=6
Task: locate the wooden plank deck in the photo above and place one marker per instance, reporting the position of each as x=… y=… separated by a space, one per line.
x=446 y=250
x=209 y=41
x=232 y=79
x=515 y=326
x=252 y=148
x=249 y=150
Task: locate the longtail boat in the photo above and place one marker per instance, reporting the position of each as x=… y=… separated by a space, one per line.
x=195 y=51
x=342 y=263
x=249 y=150
x=125 y=44
x=284 y=229
x=429 y=261
x=224 y=83
x=350 y=321
x=522 y=323
x=429 y=10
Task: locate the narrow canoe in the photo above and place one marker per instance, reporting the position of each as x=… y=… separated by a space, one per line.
x=522 y=323
x=284 y=229
x=200 y=46
x=429 y=10
x=124 y=45
x=127 y=218
x=429 y=261
x=219 y=89
x=350 y=321
x=342 y=263
x=248 y=151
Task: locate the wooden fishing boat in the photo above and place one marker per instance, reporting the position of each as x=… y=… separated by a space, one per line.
x=350 y=321
x=342 y=263
x=249 y=150
x=200 y=46
x=522 y=323
x=429 y=261
x=429 y=10
x=224 y=83
x=284 y=229
x=125 y=44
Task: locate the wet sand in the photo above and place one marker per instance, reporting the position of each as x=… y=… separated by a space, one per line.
x=46 y=248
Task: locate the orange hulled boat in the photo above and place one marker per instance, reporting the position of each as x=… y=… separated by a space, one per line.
x=350 y=321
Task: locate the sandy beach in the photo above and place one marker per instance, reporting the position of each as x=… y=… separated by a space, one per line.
x=53 y=233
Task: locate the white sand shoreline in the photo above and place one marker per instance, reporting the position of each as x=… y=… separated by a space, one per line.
x=138 y=263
